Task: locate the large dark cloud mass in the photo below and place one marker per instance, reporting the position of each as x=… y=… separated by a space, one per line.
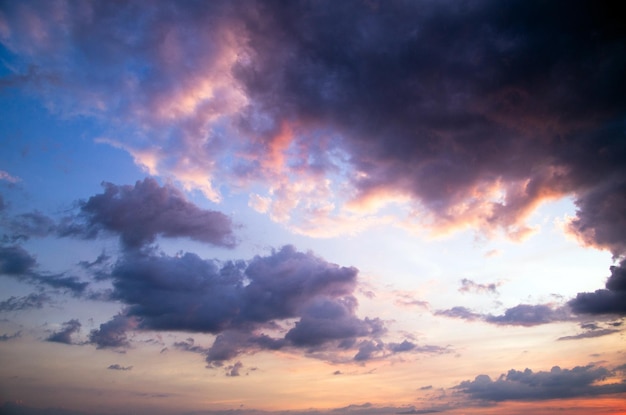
x=141 y=212
x=475 y=111
x=611 y=300
x=533 y=386
x=238 y=302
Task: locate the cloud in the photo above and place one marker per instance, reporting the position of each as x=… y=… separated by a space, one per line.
x=233 y=370
x=520 y=315
x=16 y=262
x=119 y=367
x=141 y=212
x=7 y=337
x=527 y=385
x=462 y=313
x=7 y=177
x=112 y=334
x=69 y=328
x=590 y=334
x=33 y=300
x=611 y=300
x=188 y=346
x=468 y=285
x=530 y=315
x=475 y=126
x=27 y=225
x=245 y=304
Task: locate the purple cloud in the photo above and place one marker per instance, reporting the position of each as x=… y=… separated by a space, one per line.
x=475 y=125
x=611 y=300
x=16 y=262
x=141 y=212
x=64 y=336
x=468 y=285
x=112 y=334
x=117 y=366
x=519 y=315
x=33 y=300
x=239 y=302
x=533 y=386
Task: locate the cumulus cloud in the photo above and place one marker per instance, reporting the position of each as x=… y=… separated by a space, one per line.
x=112 y=334
x=64 y=335
x=610 y=300
x=141 y=212
x=244 y=304
x=472 y=126
x=527 y=385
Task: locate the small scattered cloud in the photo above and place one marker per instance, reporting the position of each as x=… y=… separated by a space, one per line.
x=30 y=301
x=592 y=330
x=119 y=367
x=9 y=178
x=468 y=285
x=519 y=315
x=16 y=262
x=68 y=329
x=6 y=337
x=112 y=334
x=590 y=334
x=233 y=370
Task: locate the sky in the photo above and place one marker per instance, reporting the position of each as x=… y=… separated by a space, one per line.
x=312 y=207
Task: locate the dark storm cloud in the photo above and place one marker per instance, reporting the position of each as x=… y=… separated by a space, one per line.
x=533 y=386
x=441 y=100
x=141 y=212
x=611 y=300
x=238 y=302
x=33 y=300
x=477 y=111
x=65 y=334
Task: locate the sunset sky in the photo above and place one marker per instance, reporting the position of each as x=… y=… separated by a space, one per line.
x=312 y=207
